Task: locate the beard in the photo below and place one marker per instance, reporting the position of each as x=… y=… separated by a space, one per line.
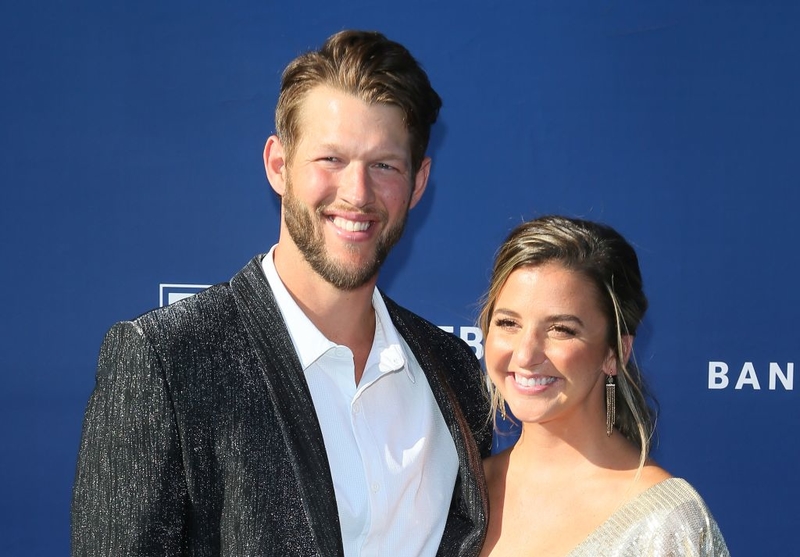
x=306 y=232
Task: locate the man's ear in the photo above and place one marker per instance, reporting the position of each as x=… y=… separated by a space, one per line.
x=420 y=181
x=275 y=164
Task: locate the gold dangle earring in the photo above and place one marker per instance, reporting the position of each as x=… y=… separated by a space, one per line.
x=611 y=404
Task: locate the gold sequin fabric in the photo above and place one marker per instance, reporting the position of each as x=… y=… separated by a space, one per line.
x=668 y=520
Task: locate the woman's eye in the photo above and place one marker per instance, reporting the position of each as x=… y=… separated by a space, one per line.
x=505 y=323
x=563 y=331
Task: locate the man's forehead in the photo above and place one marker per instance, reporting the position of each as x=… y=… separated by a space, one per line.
x=326 y=109
x=322 y=93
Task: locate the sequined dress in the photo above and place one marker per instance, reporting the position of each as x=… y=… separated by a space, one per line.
x=668 y=520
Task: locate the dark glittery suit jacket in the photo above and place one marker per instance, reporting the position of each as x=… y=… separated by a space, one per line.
x=201 y=439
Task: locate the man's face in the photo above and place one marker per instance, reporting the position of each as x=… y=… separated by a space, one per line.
x=348 y=186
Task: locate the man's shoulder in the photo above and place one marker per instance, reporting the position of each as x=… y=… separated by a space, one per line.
x=193 y=321
x=410 y=324
x=210 y=306
x=205 y=314
x=408 y=318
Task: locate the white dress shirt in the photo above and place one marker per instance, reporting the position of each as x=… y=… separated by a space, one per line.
x=392 y=458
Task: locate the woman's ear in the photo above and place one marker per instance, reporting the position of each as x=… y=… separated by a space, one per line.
x=627 y=348
x=610 y=364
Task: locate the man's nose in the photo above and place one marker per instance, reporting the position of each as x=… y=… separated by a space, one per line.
x=356 y=186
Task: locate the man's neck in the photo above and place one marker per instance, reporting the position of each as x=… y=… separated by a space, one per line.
x=345 y=317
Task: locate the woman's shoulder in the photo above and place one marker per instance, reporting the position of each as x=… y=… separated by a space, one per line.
x=676 y=493
x=623 y=479
x=664 y=519
x=657 y=482
x=676 y=502
x=650 y=476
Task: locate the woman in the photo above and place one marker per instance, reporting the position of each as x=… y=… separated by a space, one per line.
x=563 y=306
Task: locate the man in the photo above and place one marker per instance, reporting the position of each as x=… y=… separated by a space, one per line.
x=296 y=410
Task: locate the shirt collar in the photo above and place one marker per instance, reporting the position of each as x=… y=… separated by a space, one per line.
x=314 y=344
x=391 y=356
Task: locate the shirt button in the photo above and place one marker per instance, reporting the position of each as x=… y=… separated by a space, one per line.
x=375 y=487
x=356 y=408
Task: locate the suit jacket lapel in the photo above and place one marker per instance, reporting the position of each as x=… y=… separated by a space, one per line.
x=291 y=398
x=469 y=510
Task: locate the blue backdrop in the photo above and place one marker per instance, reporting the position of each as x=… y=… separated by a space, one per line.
x=130 y=155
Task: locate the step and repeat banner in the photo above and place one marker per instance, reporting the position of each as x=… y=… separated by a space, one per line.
x=131 y=172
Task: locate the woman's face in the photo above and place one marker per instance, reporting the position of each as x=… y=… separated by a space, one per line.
x=546 y=346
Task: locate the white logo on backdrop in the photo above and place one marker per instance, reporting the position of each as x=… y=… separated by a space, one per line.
x=171 y=293
x=777 y=377
x=473 y=336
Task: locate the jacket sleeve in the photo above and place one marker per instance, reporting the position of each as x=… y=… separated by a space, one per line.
x=129 y=496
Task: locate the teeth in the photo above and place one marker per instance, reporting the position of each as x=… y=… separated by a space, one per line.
x=349 y=225
x=533 y=381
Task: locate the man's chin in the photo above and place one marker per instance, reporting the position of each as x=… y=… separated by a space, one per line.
x=346 y=271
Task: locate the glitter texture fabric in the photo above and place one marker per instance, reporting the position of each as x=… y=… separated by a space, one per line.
x=200 y=437
x=668 y=520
